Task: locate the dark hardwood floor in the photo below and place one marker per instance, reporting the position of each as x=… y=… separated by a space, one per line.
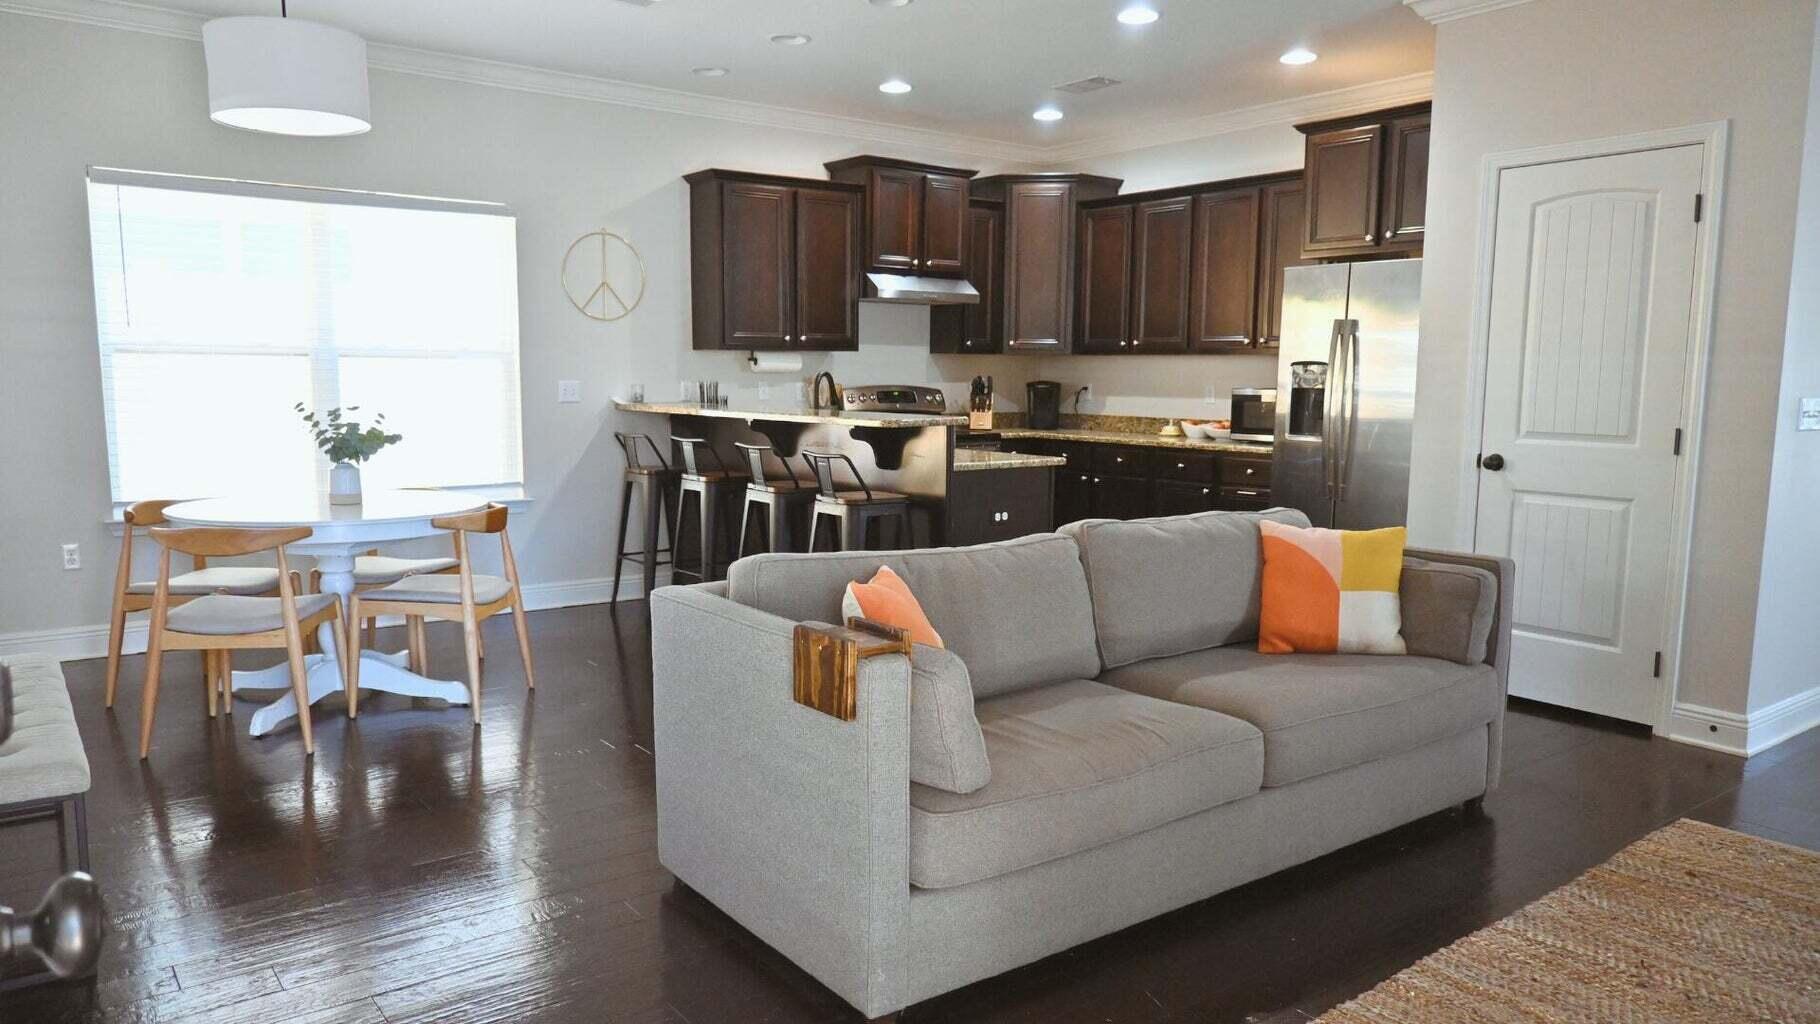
x=420 y=870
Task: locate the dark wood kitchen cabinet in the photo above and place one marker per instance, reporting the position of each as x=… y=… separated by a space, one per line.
x=977 y=327
x=999 y=504
x=1040 y=223
x=1366 y=184
x=1134 y=276
x=774 y=262
x=916 y=214
x=1224 y=311
x=1280 y=218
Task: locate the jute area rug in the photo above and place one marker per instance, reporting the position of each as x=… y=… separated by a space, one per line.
x=1690 y=923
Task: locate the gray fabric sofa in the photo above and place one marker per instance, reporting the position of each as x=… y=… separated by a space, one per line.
x=1101 y=743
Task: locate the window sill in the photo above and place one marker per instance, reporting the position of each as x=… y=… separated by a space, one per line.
x=512 y=496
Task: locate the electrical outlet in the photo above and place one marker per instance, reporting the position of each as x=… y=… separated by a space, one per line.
x=568 y=391
x=1810 y=415
x=72 y=556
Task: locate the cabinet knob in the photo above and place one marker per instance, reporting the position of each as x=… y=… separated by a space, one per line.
x=1206 y=490
x=1249 y=470
x=1122 y=344
x=1181 y=465
x=967 y=344
x=1392 y=233
x=1135 y=343
x=1369 y=237
x=919 y=262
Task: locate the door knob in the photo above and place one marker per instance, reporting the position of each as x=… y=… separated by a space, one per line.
x=1493 y=462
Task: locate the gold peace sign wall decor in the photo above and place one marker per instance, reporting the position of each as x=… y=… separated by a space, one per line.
x=603 y=269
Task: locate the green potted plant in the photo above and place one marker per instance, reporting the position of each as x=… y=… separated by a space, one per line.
x=347 y=444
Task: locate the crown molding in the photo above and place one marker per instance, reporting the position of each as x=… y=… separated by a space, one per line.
x=161 y=21
x=1355 y=99
x=1438 y=11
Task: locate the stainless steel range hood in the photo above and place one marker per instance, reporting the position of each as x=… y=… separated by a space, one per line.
x=919 y=291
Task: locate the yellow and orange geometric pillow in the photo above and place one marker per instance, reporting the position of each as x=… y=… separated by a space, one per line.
x=1331 y=591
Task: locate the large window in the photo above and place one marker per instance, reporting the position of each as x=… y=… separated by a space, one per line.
x=222 y=304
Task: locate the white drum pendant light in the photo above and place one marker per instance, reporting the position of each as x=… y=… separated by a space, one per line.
x=286 y=77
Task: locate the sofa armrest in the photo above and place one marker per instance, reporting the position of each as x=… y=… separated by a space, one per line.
x=1497 y=644
x=795 y=823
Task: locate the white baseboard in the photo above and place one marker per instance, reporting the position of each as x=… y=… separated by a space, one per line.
x=1745 y=735
x=75 y=643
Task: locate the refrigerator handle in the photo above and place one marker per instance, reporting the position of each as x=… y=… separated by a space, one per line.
x=1349 y=414
x=1329 y=421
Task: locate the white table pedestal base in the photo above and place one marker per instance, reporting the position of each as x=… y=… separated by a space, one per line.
x=378 y=671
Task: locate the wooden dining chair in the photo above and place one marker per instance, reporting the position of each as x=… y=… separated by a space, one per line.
x=219 y=623
x=374 y=570
x=464 y=596
x=130 y=596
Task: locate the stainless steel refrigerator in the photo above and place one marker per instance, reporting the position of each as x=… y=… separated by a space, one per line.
x=1346 y=388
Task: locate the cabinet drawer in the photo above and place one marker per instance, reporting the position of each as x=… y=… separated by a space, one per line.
x=1120 y=497
x=1193 y=467
x=1078 y=454
x=1243 y=471
x=1111 y=458
x=1243 y=499
x=1180 y=499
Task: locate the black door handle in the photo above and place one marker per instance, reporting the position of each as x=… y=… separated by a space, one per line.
x=1493 y=462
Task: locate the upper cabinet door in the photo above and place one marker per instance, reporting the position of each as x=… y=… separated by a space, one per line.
x=1341 y=175
x=1406 y=181
x=827 y=269
x=1039 y=220
x=1280 y=246
x=1163 y=233
x=944 y=213
x=1226 y=267
x=757 y=265
x=896 y=198
x=985 y=330
x=1105 y=284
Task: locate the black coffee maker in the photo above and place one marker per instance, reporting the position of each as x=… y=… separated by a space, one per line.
x=1045 y=405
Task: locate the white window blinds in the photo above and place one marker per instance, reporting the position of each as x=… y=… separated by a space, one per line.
x=222 y=304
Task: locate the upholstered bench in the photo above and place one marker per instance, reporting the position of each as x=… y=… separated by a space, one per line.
x=43 y=770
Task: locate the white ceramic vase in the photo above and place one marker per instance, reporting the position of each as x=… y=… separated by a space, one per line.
x=344 y=484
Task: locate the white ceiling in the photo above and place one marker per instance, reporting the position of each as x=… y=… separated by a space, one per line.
x=979 y=67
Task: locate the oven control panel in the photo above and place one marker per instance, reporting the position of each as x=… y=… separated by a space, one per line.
x=894 y=398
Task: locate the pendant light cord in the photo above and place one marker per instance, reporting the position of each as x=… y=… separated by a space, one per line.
x=282 y=11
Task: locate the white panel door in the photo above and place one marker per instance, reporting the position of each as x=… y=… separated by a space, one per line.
x=1591 y=303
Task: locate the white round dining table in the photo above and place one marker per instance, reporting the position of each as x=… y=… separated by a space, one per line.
x=338 y=533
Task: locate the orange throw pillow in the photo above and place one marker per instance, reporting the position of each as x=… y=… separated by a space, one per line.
x=1328 y=591
x=886 y=598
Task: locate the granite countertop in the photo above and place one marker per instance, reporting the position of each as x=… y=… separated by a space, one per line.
x=794 y=414
x=1147 y=440
x=969 y=460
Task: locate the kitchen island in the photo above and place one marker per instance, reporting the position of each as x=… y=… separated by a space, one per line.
x=908 y=453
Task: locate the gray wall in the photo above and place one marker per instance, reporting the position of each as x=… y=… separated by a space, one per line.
x=1555 y=71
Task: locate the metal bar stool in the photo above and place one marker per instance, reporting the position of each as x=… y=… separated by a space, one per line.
x=658 y=502
x=781 y=499
x=713 y=484
x=853 y=510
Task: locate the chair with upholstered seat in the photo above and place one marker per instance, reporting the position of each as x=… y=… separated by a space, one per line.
x=218 y=623
x=374 y=570
x=129 y=596
x=853 y=509
x=464 y=596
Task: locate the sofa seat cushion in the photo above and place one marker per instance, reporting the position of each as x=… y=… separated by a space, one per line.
x=1075 y=765
x=1323 y=712
x=1017 y=612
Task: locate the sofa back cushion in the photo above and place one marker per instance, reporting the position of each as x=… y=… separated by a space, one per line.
x=1016 y=612
x=1173 y=585
x=1447 y=609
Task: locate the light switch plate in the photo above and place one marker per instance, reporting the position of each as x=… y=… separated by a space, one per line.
x=568 y=391
x=1810 y=415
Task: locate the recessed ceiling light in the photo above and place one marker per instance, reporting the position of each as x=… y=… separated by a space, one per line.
x=1138 y=14
x=710 y=72
x=1047 y=114
x=790 y=39
x=894 y=86
x=890 y=3
x=1298 y=56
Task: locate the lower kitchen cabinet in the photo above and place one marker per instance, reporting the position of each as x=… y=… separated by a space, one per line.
x=999 y=504
x=1113 y=481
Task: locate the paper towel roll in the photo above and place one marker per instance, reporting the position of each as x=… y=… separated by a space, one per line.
x=775 y=362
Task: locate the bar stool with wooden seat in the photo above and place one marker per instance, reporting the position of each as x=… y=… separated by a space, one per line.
x=464 y=596
x=218 y=623
x=713 y=484
x=853 y=510
x=781 y=498
x=655 y=485
x=241 y=580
